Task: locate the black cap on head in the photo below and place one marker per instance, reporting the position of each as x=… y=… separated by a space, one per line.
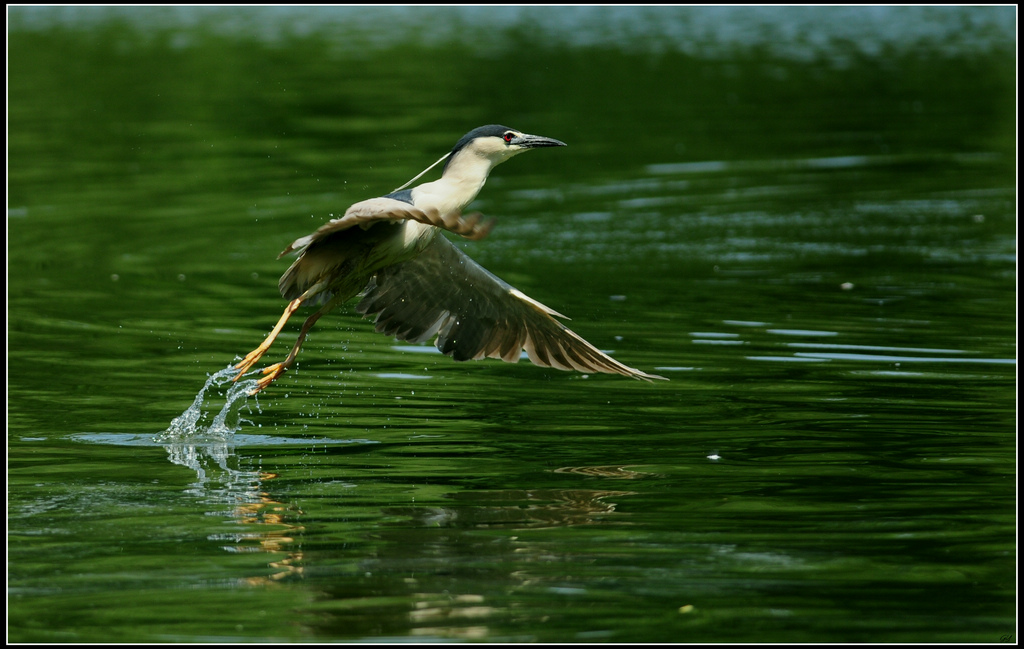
x=491 y=130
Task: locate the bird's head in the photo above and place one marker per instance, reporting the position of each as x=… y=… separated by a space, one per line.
x=494 y=144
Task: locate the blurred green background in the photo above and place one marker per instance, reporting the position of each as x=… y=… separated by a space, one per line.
x=805 y=217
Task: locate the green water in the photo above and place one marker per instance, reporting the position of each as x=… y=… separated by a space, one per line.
x=811 y=233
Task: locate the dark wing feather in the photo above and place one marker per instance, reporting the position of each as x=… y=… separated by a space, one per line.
x=331 y=258
x=475 y=315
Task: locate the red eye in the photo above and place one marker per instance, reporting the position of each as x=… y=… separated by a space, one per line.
x=508 y=137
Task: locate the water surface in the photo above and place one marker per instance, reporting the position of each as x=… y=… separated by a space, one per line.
x=804 y=219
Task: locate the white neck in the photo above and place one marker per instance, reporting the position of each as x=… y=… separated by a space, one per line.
x=463 y=179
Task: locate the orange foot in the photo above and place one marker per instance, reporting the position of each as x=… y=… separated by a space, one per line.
x=250 y=359
x=255 y=355
x=270 y=375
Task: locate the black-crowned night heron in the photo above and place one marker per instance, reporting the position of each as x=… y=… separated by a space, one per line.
x=418 y=284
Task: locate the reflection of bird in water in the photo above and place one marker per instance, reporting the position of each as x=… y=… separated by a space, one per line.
x=532 y=508
x=418 y=284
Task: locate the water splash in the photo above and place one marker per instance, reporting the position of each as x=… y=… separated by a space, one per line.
x=207 y=449
x=188 y=426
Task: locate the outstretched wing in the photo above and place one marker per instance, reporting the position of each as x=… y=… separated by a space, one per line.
x=376 y=210
x=476 y=315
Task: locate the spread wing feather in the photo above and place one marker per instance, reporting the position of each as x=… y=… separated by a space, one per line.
x=475 y=315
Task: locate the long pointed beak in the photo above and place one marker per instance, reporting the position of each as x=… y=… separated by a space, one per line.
x=536 y=141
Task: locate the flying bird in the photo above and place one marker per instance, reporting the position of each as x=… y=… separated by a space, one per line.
x=417 y=284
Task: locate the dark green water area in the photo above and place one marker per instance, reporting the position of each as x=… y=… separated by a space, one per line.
x=805 y=218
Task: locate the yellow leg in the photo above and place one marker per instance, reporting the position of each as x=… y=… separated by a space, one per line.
x=255 y=355
x=277 y=369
